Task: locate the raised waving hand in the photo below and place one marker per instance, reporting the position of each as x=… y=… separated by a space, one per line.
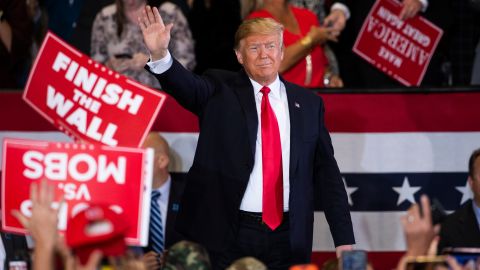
x=155 y=33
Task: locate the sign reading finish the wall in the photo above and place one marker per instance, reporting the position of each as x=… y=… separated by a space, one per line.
x=87 y=100
x=400 y=48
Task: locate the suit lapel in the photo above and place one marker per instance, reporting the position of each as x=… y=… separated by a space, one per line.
x=294 y=109
x=244 y=90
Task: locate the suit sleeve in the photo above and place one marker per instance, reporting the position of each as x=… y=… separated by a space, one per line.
x=188 y=89
x=334 y=197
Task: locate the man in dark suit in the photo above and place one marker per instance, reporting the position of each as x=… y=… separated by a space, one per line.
x=171 y=188
x=263 y=146
x=461 y=228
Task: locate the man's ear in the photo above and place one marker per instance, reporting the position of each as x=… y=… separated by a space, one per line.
x=163 y=161
x=470 y=182
x=239 y=57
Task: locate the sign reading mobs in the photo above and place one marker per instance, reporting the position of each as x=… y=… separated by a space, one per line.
x=119 y=177
x=87 y=100
x=400 y=48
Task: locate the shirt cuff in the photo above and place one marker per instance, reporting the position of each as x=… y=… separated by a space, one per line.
x=343 y=8
x=161 y=65
x=424 y=5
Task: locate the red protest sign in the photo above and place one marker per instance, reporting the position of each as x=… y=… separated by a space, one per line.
x=401 y=49
x=88 y=101
x=84 y=175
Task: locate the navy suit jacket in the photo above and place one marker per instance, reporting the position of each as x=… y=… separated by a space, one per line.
x=216 y=182
x=460 y=229
x=177 y=186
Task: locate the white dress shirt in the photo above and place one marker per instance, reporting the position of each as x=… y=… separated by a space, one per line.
x=252 y=199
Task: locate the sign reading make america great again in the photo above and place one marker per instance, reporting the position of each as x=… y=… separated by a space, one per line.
x=400 y=48
x=83 y=174
x=87 y=100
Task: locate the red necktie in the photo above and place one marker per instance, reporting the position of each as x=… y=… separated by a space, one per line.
x=272 y=205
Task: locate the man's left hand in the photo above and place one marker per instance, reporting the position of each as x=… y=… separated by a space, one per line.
x=410 y=9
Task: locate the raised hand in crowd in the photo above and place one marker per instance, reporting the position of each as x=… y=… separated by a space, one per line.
x=418 y=229
x=155 y=33
x=320 y=35
x=336 y=22
x=410 y=9
x=42 y=224
x=422 y=236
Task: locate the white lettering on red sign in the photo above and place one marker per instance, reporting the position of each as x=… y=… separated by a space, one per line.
x=110 y=93
x=59 y=166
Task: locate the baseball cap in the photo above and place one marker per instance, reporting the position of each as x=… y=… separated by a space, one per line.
x=97 y=228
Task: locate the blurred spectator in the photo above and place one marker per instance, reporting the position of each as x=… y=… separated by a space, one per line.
x=476 y=66
x=62 y=16
x=213 y=24
x=182 y=4
x=81 y=36
x=304 y=61
x=247 y=263
x=181 y=44
x=15 y=40
x=186 y=255
x=476 y=61
x=92 y=233
x=357 y=72
x=117 y=40
x=422 y=239
x=461 y=228
x=170 y=187
x=464 y=36
x=318 y=7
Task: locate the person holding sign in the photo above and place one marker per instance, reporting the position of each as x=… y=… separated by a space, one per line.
x=304 y=62
x=263 y=149
x=357 y=72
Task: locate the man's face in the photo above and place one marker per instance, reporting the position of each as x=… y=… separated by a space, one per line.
x=475 y=180
x=261 y=56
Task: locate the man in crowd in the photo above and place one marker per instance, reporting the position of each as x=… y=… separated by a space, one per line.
x=461 y=228
x=167 y=190
x=262 y=148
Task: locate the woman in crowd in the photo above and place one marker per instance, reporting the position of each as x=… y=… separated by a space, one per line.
x=117 y=40
x=304 y=61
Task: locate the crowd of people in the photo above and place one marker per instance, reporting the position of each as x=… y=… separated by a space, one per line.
x=425 y=239
x=319 y=36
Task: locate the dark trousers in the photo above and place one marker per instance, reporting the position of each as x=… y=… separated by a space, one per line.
x=255 y=239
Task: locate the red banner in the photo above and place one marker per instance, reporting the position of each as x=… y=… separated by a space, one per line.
x=83 y=174
x=87 y=100
x=401 y=49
